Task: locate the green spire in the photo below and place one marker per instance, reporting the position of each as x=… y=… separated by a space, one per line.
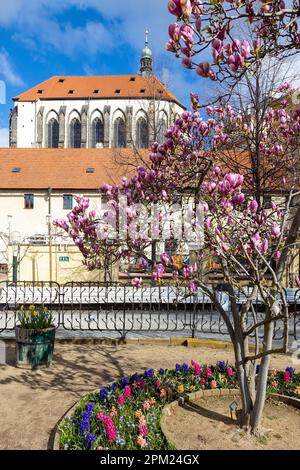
x=147 y=58
x=146 y=41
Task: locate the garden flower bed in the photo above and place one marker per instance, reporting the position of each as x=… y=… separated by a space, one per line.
x=127 y=414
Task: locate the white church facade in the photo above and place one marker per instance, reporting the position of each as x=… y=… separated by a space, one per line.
x=123 y=111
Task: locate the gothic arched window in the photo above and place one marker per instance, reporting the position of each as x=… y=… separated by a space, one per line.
x=75 y=134
x=142 y=137
x=119 y=133
x=53 y=134
x=161 y=130
x=97 y=132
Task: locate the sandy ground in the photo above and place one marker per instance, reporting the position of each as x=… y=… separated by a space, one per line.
x=33 y=401
x=206 y=424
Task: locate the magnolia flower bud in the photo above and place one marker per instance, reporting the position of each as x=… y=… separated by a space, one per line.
x=165 y=258
x=253 y=206
x=192 y=286
x=277 y=254
x=137 y=282
x=203 y=69
x=275 y=230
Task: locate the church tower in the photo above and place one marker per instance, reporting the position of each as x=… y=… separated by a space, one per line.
x=146 y=60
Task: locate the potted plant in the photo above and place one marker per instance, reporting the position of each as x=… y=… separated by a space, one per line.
x=35 y=336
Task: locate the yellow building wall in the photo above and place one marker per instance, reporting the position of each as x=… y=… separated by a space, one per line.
x=67 y=266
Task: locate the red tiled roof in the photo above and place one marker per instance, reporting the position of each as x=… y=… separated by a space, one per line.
x=98 y=87
x=65 y=168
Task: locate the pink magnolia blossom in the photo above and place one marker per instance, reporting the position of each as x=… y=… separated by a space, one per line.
x=275 y=231
x=192 y=286
x=253 y=206
x=203 y=69
x=137 y=282
x=165 y=258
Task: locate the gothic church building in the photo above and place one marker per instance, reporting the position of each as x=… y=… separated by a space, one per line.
x=124 y=111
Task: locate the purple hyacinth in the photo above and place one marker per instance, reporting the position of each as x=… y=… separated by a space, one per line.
x=185 y=367
x=135 y=377
x=178 y=367
x=124 y=382
x=291 y=370
x=114 y=387
x=162 y=371
x=90 y=439
x=84 y=425
x=103 y=394
x=222 y=365
x=148 y=374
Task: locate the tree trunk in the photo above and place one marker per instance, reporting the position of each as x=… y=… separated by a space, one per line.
x=261 y=392
x=247 y=403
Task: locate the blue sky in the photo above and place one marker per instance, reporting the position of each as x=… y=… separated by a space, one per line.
x=42 y=38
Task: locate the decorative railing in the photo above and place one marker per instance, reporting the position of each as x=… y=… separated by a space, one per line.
x=115 y=307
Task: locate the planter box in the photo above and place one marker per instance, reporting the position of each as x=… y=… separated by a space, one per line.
x=34 y=348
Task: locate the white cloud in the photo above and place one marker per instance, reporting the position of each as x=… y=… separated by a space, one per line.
x=125 y=21
x=4 y=138
x=114 y=23
x=7 y=71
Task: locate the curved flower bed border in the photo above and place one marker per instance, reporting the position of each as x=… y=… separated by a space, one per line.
x=131 y=412
x=167 y=411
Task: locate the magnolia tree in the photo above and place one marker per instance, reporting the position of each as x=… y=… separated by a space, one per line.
x=253 y=243
x=252 y=240
x=213 y=29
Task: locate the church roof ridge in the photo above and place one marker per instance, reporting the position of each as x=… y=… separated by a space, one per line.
x=63 y=87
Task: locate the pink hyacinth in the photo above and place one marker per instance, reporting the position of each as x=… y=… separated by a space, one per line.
x=120 y=400
x=110 y=429
x=286 y=376
x=229 y=372
x=297 y=281
x=197 y=368
x=140 y=383
x=202 y=380
x=127 y=391
x=208 y=372
x=157 y=384
x=143 y=430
